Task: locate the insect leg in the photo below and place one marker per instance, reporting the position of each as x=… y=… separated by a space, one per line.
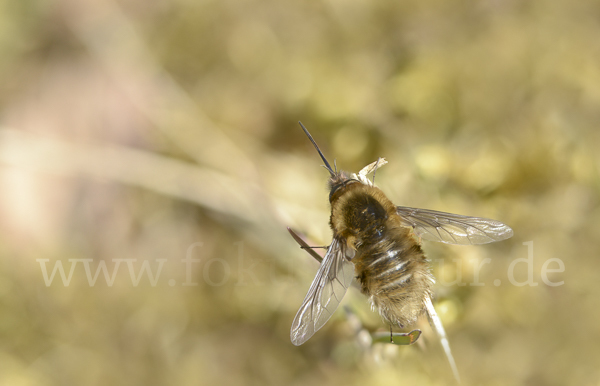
x=305 y=246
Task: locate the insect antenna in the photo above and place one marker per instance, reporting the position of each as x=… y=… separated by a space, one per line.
x=327 y=166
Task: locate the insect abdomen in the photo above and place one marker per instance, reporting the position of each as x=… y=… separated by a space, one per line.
x=394 y=275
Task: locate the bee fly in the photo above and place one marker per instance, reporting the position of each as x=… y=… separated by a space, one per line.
x=379 y=243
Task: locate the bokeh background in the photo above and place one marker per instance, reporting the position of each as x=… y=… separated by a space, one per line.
x=135 y=133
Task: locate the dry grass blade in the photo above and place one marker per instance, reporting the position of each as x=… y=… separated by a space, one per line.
x=201 y=185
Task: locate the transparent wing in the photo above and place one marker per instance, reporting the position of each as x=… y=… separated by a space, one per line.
x=325 y=294
x=453 y=228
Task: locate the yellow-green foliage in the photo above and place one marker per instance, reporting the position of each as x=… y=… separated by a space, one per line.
x=131 y=130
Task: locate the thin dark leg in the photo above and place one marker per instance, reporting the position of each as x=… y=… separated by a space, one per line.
x=305 y=246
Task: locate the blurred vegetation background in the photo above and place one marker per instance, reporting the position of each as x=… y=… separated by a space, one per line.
x=135 y=133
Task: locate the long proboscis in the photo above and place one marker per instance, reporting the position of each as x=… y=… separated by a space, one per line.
x=327 y=166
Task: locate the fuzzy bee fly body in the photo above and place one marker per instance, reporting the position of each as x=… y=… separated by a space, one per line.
x=388 y=261
x=378 y=243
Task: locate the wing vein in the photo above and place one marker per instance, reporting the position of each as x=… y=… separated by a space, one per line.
x=453 y=228
x=323 y=297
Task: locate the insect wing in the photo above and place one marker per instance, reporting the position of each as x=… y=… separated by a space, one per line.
x=325 y=294
x=453 y=228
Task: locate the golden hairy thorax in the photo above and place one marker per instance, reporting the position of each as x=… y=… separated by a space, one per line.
x=360 y=211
